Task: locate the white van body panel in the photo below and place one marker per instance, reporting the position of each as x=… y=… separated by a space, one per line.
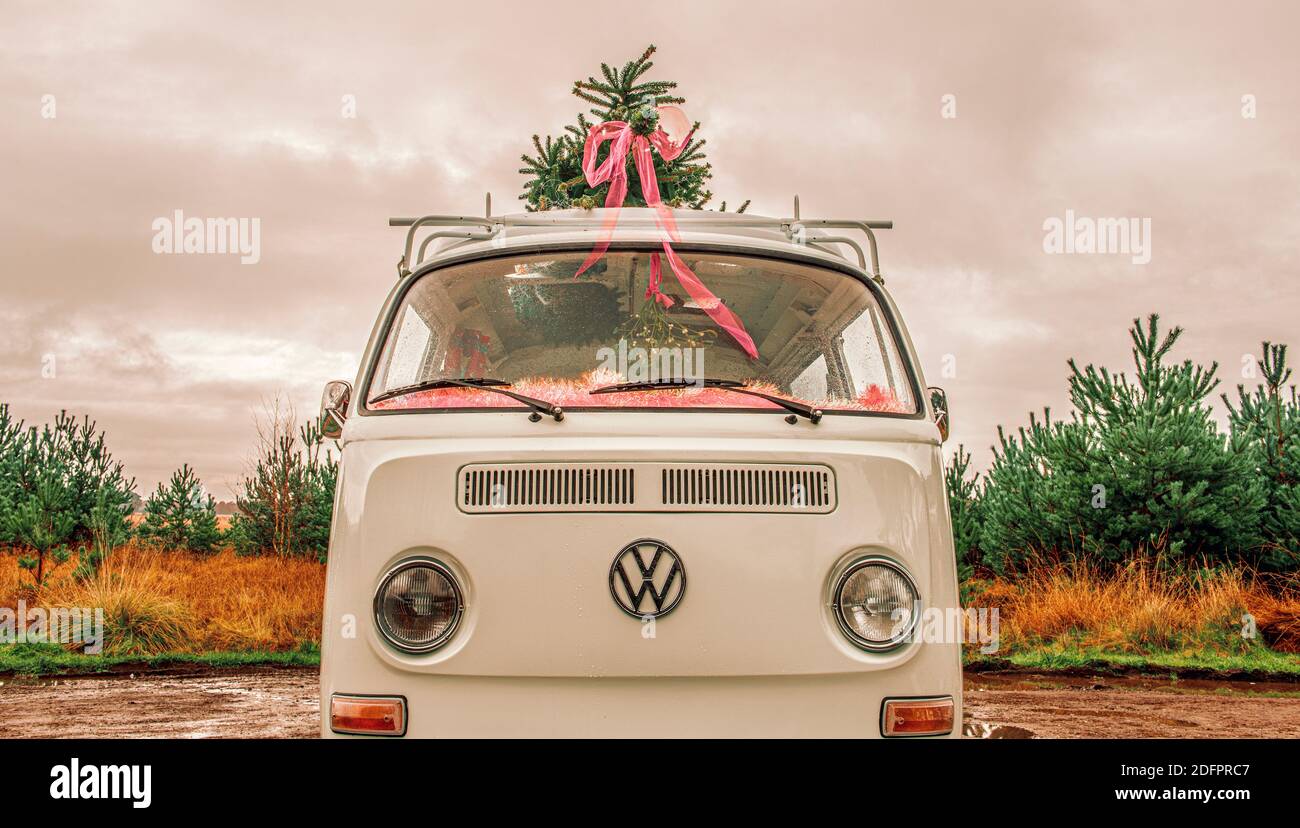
x=543 y=650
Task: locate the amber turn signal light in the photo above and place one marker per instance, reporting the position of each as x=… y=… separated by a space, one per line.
x=917 y=717
x=368 y=715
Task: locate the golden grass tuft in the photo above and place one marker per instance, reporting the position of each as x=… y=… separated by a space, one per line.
x=141 y=615
x=168 y=601
x=1140 y=609
x=1277 y=613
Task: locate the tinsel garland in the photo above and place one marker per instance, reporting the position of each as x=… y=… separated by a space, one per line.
x=575 y=393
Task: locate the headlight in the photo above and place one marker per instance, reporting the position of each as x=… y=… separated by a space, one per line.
x=418 y=605
x=875 y=603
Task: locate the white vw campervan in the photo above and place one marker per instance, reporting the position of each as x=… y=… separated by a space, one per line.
x=629 y=502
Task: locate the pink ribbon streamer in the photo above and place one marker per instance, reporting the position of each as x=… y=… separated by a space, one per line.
x=614 y=170
x=652 y=291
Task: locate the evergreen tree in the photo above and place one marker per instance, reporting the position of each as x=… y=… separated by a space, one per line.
x=322 y=480
x=1266 y=424
x=286 y=505
x=620 y=94
x=180 y=515
x=93 y=474
x=963 y=506
x=12 y=435
x=108 y=530
x=43 y=520
x=58 y=483
x=1140 y=468
x=76 y=452
x=1033 y=492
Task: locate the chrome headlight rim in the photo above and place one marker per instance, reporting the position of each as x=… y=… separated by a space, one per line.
x=903 y=636
x=411 y=563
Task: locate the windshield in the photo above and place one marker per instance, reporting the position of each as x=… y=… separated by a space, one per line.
x=805 y=333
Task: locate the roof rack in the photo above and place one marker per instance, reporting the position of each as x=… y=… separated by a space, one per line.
x=491 y=227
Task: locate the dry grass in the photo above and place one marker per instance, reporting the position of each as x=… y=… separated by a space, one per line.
x=1140 y=609
x=158 y=601
x=142 y=616
x=1277 y=612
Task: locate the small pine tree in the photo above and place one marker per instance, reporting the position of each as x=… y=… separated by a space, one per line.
x=109 y=529
x=12 y=436
x=322 y=476
x=1032 y=493
x=93 y=474
x=43 y=520
x=78 y=453
x=181 y=516
x=1140 y=468
x=963 y=506
x=287 y=503
x=1176 y=488
x=108 y=522
x=1266 y=425
x=620 y=94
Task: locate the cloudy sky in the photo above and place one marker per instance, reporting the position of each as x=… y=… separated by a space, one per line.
x=230 y=110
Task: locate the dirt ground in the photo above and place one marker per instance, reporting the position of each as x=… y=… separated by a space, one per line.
x=267 y=702
x=1019 y=706
x=278 y=702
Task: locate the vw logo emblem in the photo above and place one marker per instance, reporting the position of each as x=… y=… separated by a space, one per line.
x=647 y=579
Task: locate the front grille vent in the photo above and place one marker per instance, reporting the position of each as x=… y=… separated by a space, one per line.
x=533 y=488
x=758 y=488
x=491 y=488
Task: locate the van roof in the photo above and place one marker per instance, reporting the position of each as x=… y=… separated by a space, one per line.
x=446 y=238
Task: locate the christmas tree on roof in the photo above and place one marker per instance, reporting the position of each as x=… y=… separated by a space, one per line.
x=555 y=174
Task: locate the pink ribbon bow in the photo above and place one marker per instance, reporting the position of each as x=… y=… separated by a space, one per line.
x=614 y=170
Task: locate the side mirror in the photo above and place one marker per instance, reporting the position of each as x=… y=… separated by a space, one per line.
x=334 y=408
x=939 y=402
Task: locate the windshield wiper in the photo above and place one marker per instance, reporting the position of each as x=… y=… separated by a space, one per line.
x=813 y=415
x=539 y=407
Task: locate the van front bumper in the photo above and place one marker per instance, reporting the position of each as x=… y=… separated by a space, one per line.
x=843 y=705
